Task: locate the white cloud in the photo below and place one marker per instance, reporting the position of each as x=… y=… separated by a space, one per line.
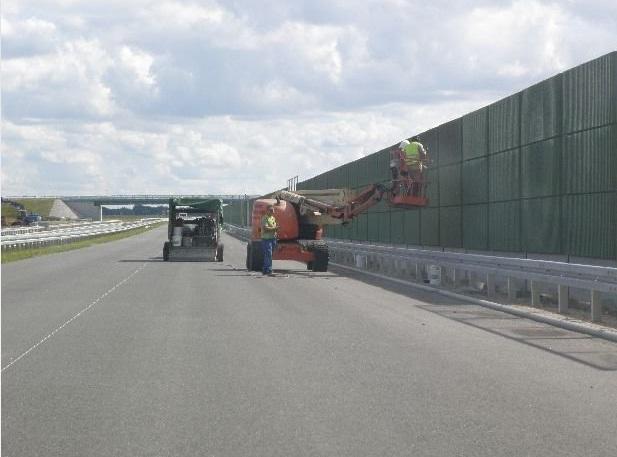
x=316 y=47
x=525 y=36
x=188 y=14
x=139 y=62
x=219 y=154
x=68 y=82
x=238 y=96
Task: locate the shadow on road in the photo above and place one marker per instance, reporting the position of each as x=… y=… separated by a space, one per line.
x=278 y=273
x=151 y=259
x=587 y=350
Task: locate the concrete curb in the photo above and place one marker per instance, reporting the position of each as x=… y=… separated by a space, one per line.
x=526 y=312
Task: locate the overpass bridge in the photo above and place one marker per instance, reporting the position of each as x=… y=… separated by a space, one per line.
x=98 y=201
x=146 y=199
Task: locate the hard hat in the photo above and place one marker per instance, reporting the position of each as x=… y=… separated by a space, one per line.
x=403 y=144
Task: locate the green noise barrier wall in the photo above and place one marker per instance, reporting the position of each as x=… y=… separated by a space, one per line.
x=534 y=173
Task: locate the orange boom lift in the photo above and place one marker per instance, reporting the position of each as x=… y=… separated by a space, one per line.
x=301 y=215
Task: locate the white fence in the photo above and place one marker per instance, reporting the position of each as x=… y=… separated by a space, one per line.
x=21 y=230
x=66 y=233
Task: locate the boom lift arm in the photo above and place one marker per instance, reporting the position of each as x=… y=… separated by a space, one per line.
x=346 y=212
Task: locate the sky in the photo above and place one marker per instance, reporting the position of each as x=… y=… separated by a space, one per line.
x=238 y=96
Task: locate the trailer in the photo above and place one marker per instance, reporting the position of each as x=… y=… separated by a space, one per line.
x=194 y=230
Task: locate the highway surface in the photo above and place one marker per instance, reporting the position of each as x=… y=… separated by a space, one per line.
x=108 y=351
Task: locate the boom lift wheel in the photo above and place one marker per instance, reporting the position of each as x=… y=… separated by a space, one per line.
x=321 y=258
x=254 y=256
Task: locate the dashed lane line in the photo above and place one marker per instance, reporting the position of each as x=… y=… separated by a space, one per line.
x=73 y=318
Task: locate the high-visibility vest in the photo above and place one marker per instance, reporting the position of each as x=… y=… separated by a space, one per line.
x=412 y=154
x=268 y=233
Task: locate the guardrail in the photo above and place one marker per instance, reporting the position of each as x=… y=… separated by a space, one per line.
x=411 y=263
x=535 y=273
x=240 y=232
x=63 y=235
x=21 y=230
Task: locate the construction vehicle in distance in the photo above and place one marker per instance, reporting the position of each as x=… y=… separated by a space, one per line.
x=302 y=214
x=25 y=218
x=194 y=230
x=22 y=217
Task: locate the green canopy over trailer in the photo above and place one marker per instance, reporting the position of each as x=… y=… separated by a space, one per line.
x=194 y=230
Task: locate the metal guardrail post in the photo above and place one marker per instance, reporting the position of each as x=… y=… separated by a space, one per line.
x=535 y=293
x=596 y=306
x=490 y=285
x=455 y=277
x=511 y=289
x=563 y=298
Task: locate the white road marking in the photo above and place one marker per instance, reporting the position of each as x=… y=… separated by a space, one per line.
x=74 y=317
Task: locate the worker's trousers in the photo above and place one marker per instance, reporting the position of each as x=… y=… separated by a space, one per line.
x=268 y=248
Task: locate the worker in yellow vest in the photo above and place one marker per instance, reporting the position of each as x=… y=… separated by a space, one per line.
x=415 y=159
x=269 y=227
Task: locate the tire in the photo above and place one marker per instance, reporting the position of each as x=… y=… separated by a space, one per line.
x=257 y=256
x=219 y=252
x=321 y=258
x=166 y=251
x=309 y=265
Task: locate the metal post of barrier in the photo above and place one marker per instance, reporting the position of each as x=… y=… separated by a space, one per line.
x=490 y=285
x=563 y=299
x=535 y=293
x=455 y=277
x=596 y=306
x=511 y=289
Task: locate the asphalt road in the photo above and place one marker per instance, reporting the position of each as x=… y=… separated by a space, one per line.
x=108 y=351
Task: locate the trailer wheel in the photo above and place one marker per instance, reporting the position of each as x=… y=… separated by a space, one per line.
x=166 y=251
x=257 y=256
x=219 y=253
x=321 y=258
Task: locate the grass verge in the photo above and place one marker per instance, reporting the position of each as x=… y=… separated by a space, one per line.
x=40 y=206
x=20 y=254
x=9 y=213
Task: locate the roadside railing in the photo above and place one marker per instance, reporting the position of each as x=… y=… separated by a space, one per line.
x=21 y=230
x=518 y=274
x=515 y=275
x=240 y=232
x=72 y=233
